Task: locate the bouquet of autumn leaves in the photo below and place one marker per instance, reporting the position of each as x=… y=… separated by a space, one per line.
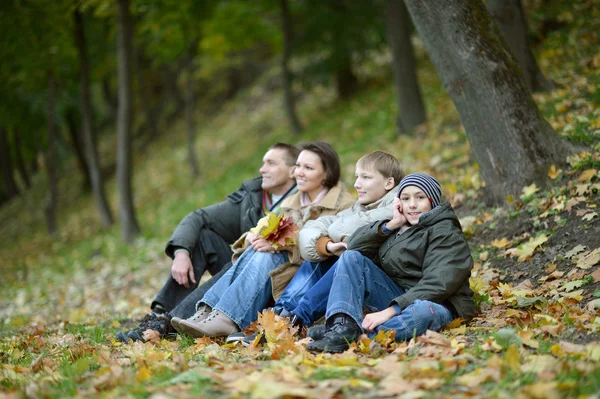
x=277 y=230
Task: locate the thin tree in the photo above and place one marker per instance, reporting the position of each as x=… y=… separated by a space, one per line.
x=8 y=184
x=411 y=110
x=510 y=18
x=75 y=141
x=19 y=159
x=286 y=74
x=129 y=225
x=190 y=109
x=89 y=135
x=50 y=160
x=510 y=140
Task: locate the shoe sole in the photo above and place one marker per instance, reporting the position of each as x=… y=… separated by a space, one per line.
x=328 y=349
x=176 y=324
x=191 y=330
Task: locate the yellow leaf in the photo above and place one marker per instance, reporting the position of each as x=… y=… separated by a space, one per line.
x=587 y=175
x=143 y=374
x=500 y=243
x=587 y=260
x=553 y=172
x=513 y=359
x=589 y=216
x=483 y=256
x=525 y=251
x=529 y=190
x=510 y=199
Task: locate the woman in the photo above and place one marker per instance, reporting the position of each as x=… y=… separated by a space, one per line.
x=234 y=301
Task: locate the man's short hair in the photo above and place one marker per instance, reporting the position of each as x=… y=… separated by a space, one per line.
x=329 y=159
x=291 y=152
x=383 y=162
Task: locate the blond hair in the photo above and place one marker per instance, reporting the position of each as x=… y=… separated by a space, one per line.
x=383 y=162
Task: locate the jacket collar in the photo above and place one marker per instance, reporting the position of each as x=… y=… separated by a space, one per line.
x=330 y=201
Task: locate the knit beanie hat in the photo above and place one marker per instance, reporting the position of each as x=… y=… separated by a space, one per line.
x=425 y=182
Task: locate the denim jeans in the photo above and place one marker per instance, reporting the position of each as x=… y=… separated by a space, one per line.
x=245 y=289
x=306 y=295
x=358 y=283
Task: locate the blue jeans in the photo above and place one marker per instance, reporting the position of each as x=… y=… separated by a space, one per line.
x=358 y=283
x=306 y=295
x=245 y=289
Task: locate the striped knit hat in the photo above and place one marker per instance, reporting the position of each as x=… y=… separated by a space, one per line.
x=425 y=182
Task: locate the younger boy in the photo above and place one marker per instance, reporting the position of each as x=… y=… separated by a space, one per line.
x=412 y=271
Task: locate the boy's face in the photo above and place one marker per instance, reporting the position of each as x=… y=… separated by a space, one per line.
x=414 y=203
x=371 y=185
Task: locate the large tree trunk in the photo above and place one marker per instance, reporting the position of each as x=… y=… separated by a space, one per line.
x=510 y=140
x=189 y=117
x=19 y=160
x=411 y=110
x=286 y=74
x=89 y=135
x=129 y=225
x=511 y=20
x=8 y=184
x=78 y=149
x=50 y=210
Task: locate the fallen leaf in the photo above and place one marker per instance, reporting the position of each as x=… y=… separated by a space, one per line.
x=589 y=216
x=502 y=243
x=553 y=172
x=596 y=275
x=576 y=250
x=587 y=260
x=143 y=374
x=151 y=336
x=525 y=251
x=529 y=190
x=586 y=175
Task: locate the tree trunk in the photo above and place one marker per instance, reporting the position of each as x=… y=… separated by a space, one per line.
x=189 y=118
x=150 y=115
x=89 y=135
x=8 y=184
x=77 y=148
x=129 y=225
x=411 y=110
x=110 y=99
x=510 y=140
x=19 y=160
x=286 y=74
x=50 y=210
x=510 y=18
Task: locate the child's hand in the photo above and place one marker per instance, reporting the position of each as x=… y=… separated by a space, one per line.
x=398 y=219
x=373 y=320
x=336 y=248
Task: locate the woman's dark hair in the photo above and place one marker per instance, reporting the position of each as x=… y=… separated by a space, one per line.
x=329 y=159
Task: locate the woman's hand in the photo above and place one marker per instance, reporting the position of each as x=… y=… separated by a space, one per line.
x=373 y=320
x=336 y=248
x=398 y=219
x=259 y=244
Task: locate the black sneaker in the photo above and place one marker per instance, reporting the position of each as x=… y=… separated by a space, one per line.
x=317 y=332
x=341 y=331
x=152 y=321
x=247 y=341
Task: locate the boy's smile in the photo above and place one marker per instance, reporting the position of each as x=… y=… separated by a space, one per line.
x=414 y=203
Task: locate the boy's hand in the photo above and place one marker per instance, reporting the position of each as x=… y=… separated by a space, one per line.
x=182 y=267
x=373 y=320
x=336 y=248
x=398 y=219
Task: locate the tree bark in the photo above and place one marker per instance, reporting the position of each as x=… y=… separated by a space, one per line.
x=150 y=115
x=77 y=148
x=411 y=110
x=510 y=18
x=286 y=74
x=52 y=200
x=189 y=118
x=112 y=103
x=87 y=123
x=9 y=186
x=129 y=224
x=510 y=140
x=19 y=160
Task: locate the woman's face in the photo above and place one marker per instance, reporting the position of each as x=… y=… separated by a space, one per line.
x=309 y=173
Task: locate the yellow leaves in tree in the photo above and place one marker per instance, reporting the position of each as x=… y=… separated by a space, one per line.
x=277 y=230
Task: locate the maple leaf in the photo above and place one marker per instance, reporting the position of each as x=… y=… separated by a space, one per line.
x=525 y=251
x=503 y=243
x=589 y=216
x=576 y=250
x=529 y=190
x=587 y=175
x=277 y=230
x=553 y=173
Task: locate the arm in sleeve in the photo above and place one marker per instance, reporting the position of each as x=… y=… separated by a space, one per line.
x=446 y=265
x=310 y=234
x=343 y=227
x=367 y=240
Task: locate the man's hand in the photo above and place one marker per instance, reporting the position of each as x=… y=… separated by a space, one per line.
x=398 y=219
x=336 y=248
x=182 y=267
x=373 y=320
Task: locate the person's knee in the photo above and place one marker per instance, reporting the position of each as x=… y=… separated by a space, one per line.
x=429 y=315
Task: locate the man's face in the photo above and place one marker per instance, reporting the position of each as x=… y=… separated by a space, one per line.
x=277 y=176
x=371 y=185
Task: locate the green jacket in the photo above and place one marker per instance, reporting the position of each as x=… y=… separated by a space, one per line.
x=429 y=261
x=229 y=219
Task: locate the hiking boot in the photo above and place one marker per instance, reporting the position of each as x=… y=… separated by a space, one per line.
x=152 y=321
x=201 y=314
x=317 y=332
x=217 y=324
x=341 y=331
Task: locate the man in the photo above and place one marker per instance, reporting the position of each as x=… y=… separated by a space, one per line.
x=202 y=239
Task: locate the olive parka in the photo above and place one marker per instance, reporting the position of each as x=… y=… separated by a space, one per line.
x=229 y=219
x=429 y=261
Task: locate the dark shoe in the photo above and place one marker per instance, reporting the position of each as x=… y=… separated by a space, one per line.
x=152 y=321
x=317 y=332
x=341 y=331
x=236 y=337
x=247 y=341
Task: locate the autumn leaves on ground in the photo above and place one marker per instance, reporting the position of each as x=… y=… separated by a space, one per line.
x=536 y=276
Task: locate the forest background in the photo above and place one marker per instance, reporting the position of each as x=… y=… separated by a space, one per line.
x=120 y=117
